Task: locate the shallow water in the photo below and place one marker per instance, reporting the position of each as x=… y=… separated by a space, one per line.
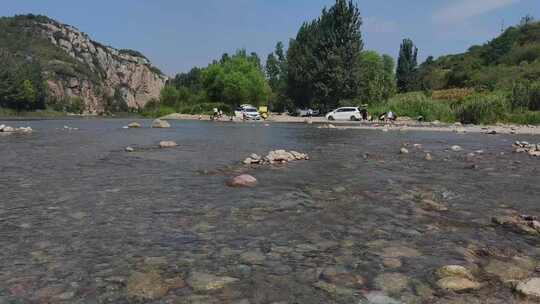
x=79 y=216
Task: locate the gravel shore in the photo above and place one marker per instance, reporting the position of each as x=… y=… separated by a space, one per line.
x=403 y=124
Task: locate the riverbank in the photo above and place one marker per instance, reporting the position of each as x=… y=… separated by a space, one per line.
x=403 y=124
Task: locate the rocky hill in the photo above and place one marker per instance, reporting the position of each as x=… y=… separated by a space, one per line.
x=78 y=69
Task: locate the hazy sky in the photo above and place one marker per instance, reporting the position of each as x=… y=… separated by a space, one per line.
x=179 y=34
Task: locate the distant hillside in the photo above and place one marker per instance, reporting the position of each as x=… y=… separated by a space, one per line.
x=514 y=55
x=72 y=67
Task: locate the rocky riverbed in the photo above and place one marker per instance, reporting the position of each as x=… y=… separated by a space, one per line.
x=84 y=221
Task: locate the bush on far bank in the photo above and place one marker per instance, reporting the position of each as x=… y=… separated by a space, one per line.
x=477 y=108
x=417 y=104
x=483 y=108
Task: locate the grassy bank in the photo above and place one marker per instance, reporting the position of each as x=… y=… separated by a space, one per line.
x=476 y=108
x=39 y=114
x=206 y=108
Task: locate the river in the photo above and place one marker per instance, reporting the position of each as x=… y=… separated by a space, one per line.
x=83 y=221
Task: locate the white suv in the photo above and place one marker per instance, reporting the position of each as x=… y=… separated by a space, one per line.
x=345 y=113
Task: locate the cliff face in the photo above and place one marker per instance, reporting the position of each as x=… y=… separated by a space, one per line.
x=99 y=75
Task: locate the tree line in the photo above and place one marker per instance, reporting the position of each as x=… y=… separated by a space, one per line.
x=324 y=67
x=21 y=84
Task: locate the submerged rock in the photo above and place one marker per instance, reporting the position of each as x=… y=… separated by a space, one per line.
x=377 y=297
x=244 y=180
x=341 y=277
x=458 y=284
x=517 y=268
x=431 y=205
x=392 y=282
x=428 y=157
x=167 y=144
x=206 y=282
x=519 y=223
x=160 y=124
x=252 y=257
x=454 y=271
x=392 y=263
x=146 y=286
x=400 y=252
x=333 y=289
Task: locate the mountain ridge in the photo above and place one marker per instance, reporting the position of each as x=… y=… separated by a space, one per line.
x=77 y=68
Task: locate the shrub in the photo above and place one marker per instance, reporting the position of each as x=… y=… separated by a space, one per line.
x=526 y=96
x=525 y=118
x=452 y=94
x=417 y=104
x=483 y=108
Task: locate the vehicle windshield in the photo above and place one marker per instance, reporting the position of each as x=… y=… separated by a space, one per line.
x=251 y=110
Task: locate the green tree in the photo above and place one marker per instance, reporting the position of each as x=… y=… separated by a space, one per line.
x=371 y=77
x=169 y=96
x=323 y=64
x=389 y=68
x=377 y=80
x=276 y=72
x=407 y=64
x=236 y=81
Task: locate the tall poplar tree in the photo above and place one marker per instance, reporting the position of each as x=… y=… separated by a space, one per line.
x=323 y=65
x=407 y=65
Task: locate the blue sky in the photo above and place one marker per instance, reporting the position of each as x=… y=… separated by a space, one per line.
x=179 y=34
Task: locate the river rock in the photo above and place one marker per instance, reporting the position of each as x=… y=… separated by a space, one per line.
x=428 y=157
x=206 y=282
x=458 y=284
x=146 y=286
x=519 y=223
x=456 y=148
x=276 y=156
x=252 y=257
x=129 y=149
x=392 y=282
x=280 y=156
x=431 y=205
x=526 y=147
x=454 y=271
x=244 y=180
x=160 y=124
x=253 y=159
x=167 y=144
x=8 y=129
x=400 y=252
x=403 y=151
x=392 y=263
x=529 y=288
x=517 y=268
x=339 y=276
x=377 y=297
x=333 y=290
x=134 y=125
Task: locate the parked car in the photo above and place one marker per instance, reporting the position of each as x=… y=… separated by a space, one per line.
x=304 y=112
x=345 y=113
x=251 y=114
x=248 y=112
